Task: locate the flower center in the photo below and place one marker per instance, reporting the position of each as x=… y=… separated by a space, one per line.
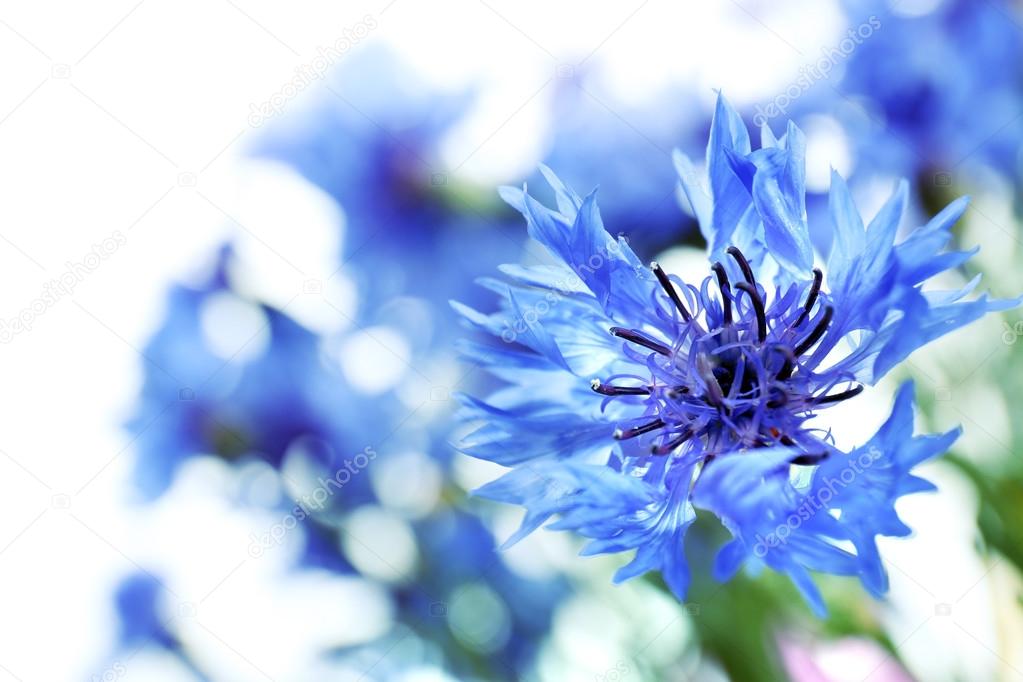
x=735 y=374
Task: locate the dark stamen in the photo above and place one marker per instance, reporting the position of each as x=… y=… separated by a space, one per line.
x=670 y=288
x=788 y=365
x=677 y=392
x=714 y=395
x=604 y=389
x=839 y=397
x=625 y=434
x=811 y=296
x=809 y=458
x=758 y=307
x=747 y=271
x=786 y=370
x=816 y=334
x=640 y=339
x=780 y=398
x=726 y=291
x=667 y=448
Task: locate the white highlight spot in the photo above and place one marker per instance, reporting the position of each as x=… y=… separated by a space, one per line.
x=380 y=544
x=234 y=329
x=375 y=359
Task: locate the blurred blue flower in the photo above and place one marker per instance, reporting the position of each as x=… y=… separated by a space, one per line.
x=625 y=147
x=194 y=401
x=371 y=138
x=284 y=399
x=705 y=395
x=414 y=233
x=938 y=89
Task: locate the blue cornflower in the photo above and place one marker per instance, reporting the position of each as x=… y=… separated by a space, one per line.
x=705 y=395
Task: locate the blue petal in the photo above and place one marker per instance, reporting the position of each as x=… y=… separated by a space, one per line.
x=699 y=197
x=850 y=236
x=779 y=198
x=728 y=134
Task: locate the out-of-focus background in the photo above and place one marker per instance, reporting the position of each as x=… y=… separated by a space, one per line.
x=229 y=232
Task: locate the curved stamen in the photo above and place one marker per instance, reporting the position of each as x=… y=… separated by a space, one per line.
x=640 y=339
x=666 y=448
x=744 y=265
x=758 y=308
x=809 y=458
x=670 y=288
x=726 y=292
x=604 y=389
x=811 y=296
x=625 y=434
x=718 y=388
x=839 y=397
x=777 y=397
x=789 y=363
x=817 y=332
x=676 y=392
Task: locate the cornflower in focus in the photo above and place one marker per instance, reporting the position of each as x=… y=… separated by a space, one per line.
x=632 y=398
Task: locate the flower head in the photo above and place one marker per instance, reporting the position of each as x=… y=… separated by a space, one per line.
x=634 y=397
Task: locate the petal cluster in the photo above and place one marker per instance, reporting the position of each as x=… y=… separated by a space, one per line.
x=631 y=399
